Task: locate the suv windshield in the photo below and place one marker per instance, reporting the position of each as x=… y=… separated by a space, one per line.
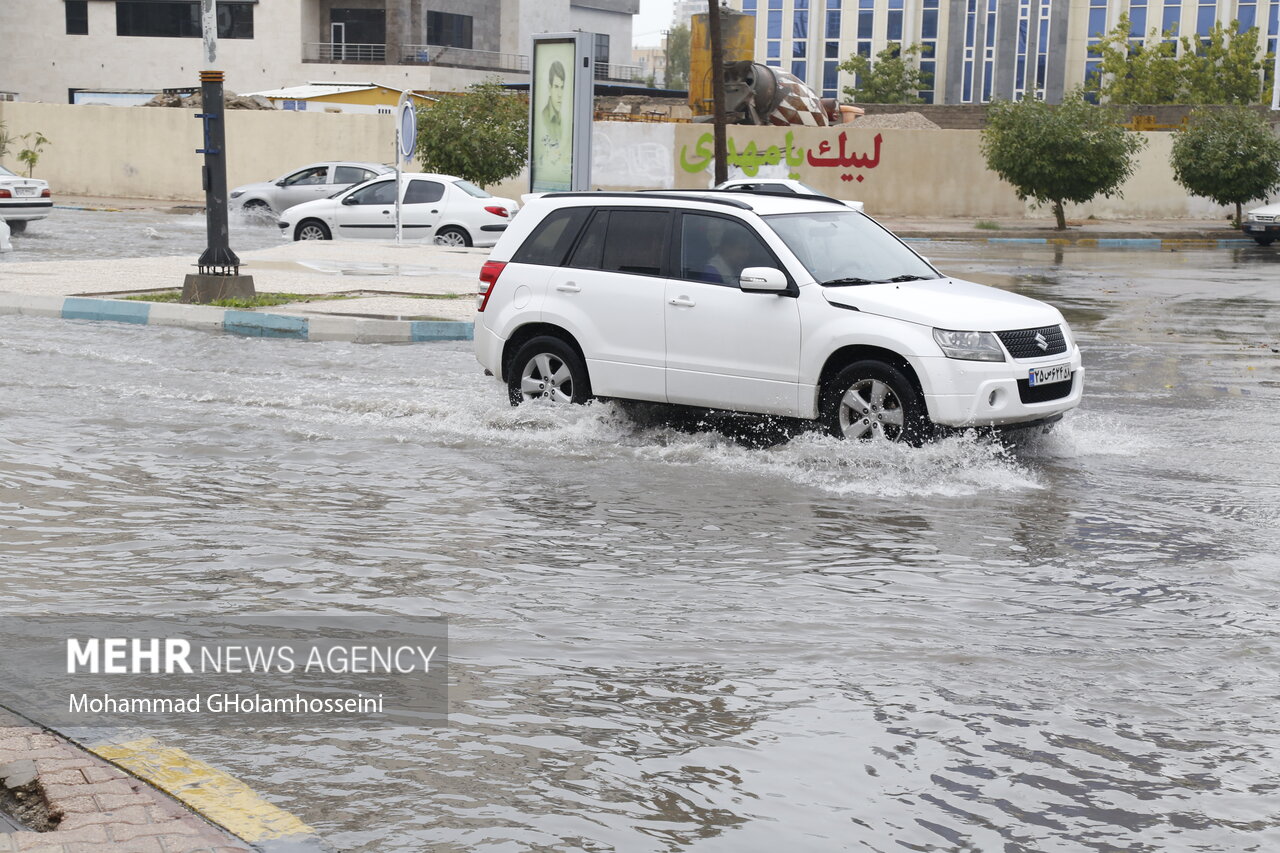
x=845 y=247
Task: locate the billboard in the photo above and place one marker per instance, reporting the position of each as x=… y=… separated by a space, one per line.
x=560 y=111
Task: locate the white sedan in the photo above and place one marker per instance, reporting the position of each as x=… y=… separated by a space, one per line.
x=787 y=186
x=440 y=208
x=23 y=200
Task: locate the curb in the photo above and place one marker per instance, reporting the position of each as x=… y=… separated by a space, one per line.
x=256 y=324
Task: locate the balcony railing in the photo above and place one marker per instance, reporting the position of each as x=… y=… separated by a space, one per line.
x=605 y=71
x=461 y=57
x=445 y=56
x=416 y=54
x=368 y=54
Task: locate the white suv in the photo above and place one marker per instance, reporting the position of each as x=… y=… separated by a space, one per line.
x=784 y=305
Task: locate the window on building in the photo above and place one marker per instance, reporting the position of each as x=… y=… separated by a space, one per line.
x=1137 y=20
x=1247 y=14
x=866 y=18
x=894 y=23
x=799 y=68
x=180 y=19
x=774 y=25
x=1169 y=24
x=77 y=17
x=449 y=30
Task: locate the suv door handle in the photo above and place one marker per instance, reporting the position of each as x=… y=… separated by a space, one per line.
x=568 y=287
x=683 y=301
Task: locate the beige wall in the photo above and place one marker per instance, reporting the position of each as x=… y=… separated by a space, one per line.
x=143 y=152
x=150 y=152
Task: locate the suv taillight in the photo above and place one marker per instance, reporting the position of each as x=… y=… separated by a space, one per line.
x=45 y=193
x=497 y=211
x=5 y=194
x=488 y=280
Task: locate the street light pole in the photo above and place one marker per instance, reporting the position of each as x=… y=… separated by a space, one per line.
x=218 y=269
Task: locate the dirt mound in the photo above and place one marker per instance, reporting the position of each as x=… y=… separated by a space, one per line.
x=897 y=121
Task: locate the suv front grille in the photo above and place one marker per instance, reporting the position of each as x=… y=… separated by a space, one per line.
x=1021 y=343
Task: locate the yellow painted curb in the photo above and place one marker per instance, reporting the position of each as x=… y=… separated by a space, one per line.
x=212 y=793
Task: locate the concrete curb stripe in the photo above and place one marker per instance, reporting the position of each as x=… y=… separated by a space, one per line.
x=253 y=324
x=211 y=793
x=117 y=310
x=441 y=330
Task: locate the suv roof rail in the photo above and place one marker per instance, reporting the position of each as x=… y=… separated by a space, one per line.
x=776 y=194
x=671 y=195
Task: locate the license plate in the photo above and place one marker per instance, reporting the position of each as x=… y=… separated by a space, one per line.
x=25 y=190
x=1048 y=375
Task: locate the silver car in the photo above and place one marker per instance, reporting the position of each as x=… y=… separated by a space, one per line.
x=318 y=180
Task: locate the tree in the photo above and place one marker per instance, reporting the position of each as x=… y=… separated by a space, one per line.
x=893 y=78
x=1229 y=155
x=1222 y=66
x=481 y=134
x=677 y=58
x=30 y=156
x=1054 y=154
x=1136 y=74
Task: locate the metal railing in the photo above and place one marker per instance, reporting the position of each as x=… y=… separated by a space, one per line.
x=461 y=57
x=415 y=54
x=605 y=71
x=325 y=51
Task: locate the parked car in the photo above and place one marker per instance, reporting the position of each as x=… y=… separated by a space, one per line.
x=23 y=200
x=793 y=306
x=440 y=208
x=319 y=180
x=777 y=185
x=1263 y=224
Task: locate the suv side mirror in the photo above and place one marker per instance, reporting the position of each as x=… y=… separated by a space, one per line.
x=351 y=199
x=762 y=280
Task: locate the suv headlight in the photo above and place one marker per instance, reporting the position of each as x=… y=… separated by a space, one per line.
x=970 y=346
x=237 y=193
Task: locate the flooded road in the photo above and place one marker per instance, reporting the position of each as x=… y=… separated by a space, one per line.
x=673 y=640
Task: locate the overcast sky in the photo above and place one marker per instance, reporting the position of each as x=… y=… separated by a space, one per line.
x=647 y=26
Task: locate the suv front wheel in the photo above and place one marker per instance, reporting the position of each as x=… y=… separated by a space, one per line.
x=873 y=401
x=547 y=368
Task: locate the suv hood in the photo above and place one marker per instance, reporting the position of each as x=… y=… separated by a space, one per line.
x=947 y=303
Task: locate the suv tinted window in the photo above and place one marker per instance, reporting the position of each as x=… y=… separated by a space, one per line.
x=590 y=249
x=423 y=192
x=635 y=241
x=717 y=249
x=550 y=241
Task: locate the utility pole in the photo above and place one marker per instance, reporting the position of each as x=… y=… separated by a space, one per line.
x=717 y=91
x=218 y=270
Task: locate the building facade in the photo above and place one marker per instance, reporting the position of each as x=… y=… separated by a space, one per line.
x=107 y=50
x=978 y=50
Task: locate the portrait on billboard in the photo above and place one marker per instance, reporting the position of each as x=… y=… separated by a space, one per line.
x=551 y=134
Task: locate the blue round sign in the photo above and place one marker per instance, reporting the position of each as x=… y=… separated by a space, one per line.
x=408 y=128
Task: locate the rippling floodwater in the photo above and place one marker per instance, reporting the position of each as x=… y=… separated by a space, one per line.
x=665 y=640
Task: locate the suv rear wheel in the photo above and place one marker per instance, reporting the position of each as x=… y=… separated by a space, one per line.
x=547 y=368
x=873 y=401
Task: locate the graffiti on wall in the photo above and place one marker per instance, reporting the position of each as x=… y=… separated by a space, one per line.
x=750 y=158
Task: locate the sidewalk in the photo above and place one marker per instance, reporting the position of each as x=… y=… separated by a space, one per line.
x=82 y=804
